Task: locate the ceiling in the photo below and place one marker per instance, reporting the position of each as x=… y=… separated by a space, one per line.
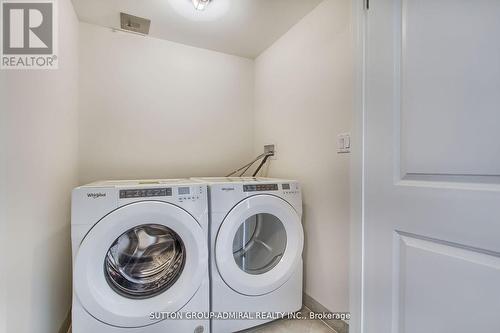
x=240 y=27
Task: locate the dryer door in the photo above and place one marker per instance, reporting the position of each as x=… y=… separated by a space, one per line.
x=259 y=245
x=144 y=257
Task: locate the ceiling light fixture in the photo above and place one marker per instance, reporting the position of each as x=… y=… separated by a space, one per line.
x=201 y=4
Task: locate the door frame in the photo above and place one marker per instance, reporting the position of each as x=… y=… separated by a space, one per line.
x=357 y=178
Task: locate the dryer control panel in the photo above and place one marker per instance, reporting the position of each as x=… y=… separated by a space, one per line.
x=286 y=187
x=260 y=187
x=290 y=188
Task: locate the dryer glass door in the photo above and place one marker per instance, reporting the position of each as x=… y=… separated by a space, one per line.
x=259 y=244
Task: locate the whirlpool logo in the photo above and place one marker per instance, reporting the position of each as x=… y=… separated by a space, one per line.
x=29 y=31
x=96 y=195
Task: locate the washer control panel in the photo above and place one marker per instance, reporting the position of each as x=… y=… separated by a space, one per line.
x=177 y=193
x=146 y=193
x=186 y=193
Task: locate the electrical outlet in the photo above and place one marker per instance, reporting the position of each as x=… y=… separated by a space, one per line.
x=270 y=149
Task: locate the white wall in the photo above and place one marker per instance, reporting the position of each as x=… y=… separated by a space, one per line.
x=39 y=168
x=150 y=108
x=3 y=201
x=303 y=99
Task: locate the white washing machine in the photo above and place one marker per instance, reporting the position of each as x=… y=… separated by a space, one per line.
x=140 y=257
x=256 y=242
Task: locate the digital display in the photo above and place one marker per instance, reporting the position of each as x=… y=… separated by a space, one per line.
x=183 y=190
x=285 y=186
x=145 y=193
x=260 y=187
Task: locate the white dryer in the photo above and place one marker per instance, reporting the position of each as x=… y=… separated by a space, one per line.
x=256 y=242
x=140 y=257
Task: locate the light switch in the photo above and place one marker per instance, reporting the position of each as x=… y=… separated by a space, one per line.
x=344 y=143
x=340 y=142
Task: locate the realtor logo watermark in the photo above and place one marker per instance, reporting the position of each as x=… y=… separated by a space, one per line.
x=29 y=34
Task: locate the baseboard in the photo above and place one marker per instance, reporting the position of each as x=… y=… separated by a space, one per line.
x=339 y=326
x=66 y=325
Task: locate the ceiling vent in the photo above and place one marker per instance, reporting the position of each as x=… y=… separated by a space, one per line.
x=134 y=23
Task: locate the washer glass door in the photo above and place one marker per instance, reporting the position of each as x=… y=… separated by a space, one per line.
x=144 y=261
x=143 y=257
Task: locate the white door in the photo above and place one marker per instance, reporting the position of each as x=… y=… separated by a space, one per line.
x=432 y=167
x=259 y=245
x=144 y=257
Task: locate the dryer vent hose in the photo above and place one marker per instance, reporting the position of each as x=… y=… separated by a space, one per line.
x=264 y=157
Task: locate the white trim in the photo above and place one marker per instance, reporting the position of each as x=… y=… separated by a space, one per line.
x=356 y=278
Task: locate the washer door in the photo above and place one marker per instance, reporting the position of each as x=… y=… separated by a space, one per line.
x=259 y=245
x=145 y=257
